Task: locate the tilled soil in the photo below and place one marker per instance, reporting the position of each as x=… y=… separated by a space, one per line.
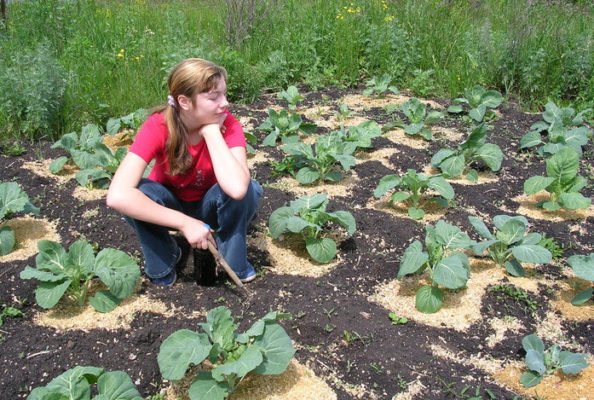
x=344 y=336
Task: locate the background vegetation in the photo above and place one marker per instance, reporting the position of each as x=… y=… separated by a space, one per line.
x=67 y=63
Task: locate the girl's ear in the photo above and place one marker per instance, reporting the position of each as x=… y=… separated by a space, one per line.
x=184 y=102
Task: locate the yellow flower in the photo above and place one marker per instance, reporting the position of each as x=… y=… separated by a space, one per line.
x=388 y=18
x=121 y=53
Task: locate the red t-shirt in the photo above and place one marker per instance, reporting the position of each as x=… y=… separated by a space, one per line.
x=150 y=144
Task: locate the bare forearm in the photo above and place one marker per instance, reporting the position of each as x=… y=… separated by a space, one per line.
x=135 y=204
x=232 y=176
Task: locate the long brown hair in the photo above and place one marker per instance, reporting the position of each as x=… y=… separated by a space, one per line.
x=188 y=78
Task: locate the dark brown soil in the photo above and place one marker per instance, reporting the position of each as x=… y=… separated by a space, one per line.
x=383 y=358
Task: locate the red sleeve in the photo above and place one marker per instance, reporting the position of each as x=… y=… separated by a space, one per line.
x=151 y=138
x=233 y=135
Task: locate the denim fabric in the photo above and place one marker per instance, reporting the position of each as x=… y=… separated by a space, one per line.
x=227 y=217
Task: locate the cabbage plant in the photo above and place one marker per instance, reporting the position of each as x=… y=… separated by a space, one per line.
x=562 y=182
x=265 y=349
x=284 y=125
x=459 y=161
x=415 y=191
x=560 y=127
x=541 y=362
x=479 y=102
x=379 y=86
x=307 y=217
x=583 y=266
x=70 y=273
x=419 y=120
x=291 y=96
x=511 y=244
x=77 y=383
x=96 y=162
x=13 y=200
x=444 y=259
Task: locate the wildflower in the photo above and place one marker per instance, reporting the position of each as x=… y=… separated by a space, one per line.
x=121 y=53
x=388 y=18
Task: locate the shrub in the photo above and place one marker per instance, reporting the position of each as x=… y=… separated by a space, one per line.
x=32 y=86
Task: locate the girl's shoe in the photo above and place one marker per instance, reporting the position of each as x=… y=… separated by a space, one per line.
x=167 y=280
x=249 y=277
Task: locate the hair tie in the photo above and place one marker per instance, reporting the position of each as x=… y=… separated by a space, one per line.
x=171 y=101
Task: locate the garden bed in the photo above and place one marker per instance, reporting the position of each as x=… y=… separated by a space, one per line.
x=340 y=325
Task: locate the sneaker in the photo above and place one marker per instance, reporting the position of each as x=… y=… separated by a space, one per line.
x=249 y=277
x=205 y=267
x=167 y=280
x=182 y=260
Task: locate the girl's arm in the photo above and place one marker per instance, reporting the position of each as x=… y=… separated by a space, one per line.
x=124 y=196
x=230 y=165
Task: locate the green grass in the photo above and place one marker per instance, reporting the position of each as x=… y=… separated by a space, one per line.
x=115 y=55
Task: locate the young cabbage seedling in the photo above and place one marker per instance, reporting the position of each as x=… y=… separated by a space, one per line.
x=560 y=127
x=479 y=100
x=70 y=273
x=97 y=163
x=583 y=266
x=265 y=349
x=291 y=96
x=131 y=122
x=541 y=363
x=307 y=216
x=419 y=121
x=284 y=125
x=511 y=244
x=413 y=187
x=320 y=162
x=445 y=260
x=379 y=86
x=13 y=200
x=76 y=384
x=458 y=162
x=562 y=182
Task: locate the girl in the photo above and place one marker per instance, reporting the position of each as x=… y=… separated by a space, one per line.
x=200 y=183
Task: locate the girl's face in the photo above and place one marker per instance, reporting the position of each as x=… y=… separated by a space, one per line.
x=209 y=107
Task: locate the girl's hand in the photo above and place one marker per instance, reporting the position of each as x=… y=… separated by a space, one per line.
x=198 y=234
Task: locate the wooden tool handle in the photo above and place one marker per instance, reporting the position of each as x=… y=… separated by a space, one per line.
x=226 y=266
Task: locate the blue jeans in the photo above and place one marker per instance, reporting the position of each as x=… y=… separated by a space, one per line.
x=227 y=217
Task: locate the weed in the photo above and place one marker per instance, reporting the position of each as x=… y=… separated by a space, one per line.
x=396 y=319
x=516 y=293
x=329 y=327
x=376 y=367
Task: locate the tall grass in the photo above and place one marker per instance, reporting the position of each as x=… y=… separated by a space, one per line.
x=116 y=54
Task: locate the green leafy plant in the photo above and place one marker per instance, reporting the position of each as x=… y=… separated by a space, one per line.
x=419 y=120
x=414 y=191
x=344 y=112
x=562 y=182
x=32 y=87
x=560 y=127
x=320 y=161
x=517 y=294
x=265 y=349
x=379 y=86
x=458 y=162
x=291 y=96
x=583 y=266
x=284 y=125
x=307 y=216
x=553 y=246
x=445 y=260
x=131 y=121
x=12 y=200
x=541 y=363
x=480 y=102
x=396 y=319
x=76 y=383
x=70 y=273
x=97 y=163
x=511 y=244
x=9 y=312
x=359 y=136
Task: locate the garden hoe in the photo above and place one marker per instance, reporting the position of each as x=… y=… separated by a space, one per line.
x=221 y=261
